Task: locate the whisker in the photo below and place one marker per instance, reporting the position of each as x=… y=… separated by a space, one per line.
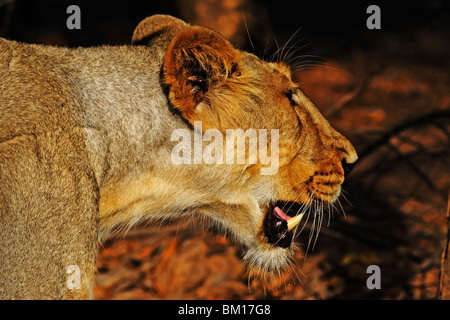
x=320 y=220
x=305 y=63
x=273 y=55
x=345 y=198
x=329 y=214
x=293 y=58
x=290 y=54
x=266 y=48
x=312 y=57
x=246 y=28
x=307 y=217
x=297 y=48
x=314 y=220
x=299 y=67
x=318 y=224
x=296 y=198
x=287 y=42
x=342 y=208
x=294 y=271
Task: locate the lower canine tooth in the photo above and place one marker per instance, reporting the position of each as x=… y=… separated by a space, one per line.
x=292 y=222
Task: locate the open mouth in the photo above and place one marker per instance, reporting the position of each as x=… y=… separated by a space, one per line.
x=280 y=219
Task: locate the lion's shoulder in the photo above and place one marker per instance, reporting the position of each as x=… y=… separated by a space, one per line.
x=6 y=52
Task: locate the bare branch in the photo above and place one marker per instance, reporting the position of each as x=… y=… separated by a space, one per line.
x=443 y=292
x=426 y=119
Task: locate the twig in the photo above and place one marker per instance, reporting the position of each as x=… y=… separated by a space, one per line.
x=407 y=160
x=431 y=117
x=443 y=291
x=359 y=88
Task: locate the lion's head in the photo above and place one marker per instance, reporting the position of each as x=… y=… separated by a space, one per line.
x=210 y=82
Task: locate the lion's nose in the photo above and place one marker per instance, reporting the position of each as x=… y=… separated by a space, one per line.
x=349 y=155
x=347 y=166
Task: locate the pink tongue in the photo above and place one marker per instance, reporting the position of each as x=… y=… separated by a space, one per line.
x=280 y=213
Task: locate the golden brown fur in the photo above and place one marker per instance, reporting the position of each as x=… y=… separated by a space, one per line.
x=85 y=144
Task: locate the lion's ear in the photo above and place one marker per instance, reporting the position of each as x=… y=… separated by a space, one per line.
x=157 y=26
x=198 y=59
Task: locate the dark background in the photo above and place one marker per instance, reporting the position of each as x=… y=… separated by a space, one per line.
x=332 y=26
x=387 y=90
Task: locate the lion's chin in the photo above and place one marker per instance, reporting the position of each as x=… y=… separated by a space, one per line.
x=269 y=265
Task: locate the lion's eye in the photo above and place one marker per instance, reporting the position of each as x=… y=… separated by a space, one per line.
x=290 y=95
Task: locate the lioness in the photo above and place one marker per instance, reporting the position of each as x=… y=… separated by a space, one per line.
x=86 y=145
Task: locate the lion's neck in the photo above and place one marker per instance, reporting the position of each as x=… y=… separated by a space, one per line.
x=128 y=127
